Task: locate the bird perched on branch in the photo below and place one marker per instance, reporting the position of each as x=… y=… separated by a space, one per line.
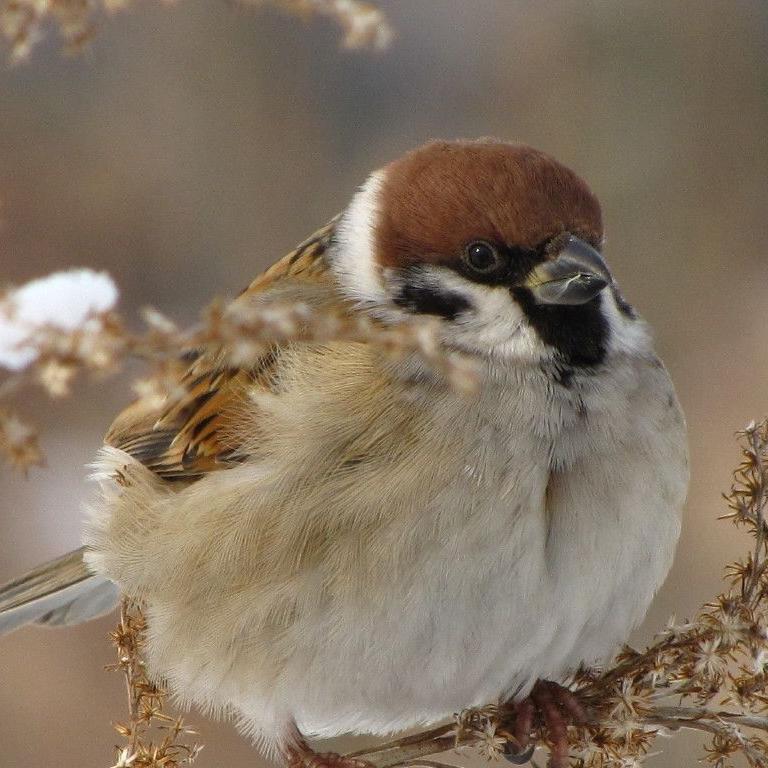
x=330 y=540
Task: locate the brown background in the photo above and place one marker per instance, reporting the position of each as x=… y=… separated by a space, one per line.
x=194 y=144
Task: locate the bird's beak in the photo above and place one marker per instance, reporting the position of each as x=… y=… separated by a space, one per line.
x=574 y=274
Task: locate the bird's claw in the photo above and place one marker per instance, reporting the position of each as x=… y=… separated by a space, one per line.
x=307 y=758
x=553 y=706
x=518 y=758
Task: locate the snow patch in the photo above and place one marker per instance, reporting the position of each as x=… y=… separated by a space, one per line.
x=64 y=301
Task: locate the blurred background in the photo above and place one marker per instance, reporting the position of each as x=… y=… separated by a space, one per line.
x=192 y=145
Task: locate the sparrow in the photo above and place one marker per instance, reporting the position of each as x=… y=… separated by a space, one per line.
x=330 y=541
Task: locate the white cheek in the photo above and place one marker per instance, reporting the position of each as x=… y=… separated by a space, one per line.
x=495 y=325
x=626 y=334
x=352 y=261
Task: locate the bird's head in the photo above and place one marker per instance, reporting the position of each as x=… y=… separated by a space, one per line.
x=499 y=241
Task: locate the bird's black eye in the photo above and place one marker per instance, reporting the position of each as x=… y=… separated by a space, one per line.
x=482 y=258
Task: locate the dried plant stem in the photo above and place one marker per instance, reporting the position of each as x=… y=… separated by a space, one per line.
x=408 y=750
x=129 y=671
x=759 y=514
x=153 y=738
x=692 y=717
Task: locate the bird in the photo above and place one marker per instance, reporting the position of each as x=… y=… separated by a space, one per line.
x=329 y=540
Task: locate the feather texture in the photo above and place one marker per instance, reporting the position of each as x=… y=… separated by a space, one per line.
x=196 y=433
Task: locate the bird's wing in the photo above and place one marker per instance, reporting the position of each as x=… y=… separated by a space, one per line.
x=194 y=434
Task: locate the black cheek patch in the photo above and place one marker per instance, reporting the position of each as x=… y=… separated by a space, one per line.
x=428 y=300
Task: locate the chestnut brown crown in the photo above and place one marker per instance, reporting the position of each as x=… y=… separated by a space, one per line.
x=441 y=196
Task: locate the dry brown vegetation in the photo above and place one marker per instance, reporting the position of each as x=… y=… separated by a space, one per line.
x=24 y=23
x=242 y=334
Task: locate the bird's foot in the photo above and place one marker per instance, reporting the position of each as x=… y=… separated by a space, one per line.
x=297 y=753
x=308 y=758
x=554 y=707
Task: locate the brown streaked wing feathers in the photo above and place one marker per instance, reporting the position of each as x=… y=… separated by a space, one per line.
x=194 y=434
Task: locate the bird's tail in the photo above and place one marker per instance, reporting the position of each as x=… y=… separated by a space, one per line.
x=63 y=591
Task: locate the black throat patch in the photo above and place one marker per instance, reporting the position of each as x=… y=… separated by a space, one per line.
x=579 y=334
